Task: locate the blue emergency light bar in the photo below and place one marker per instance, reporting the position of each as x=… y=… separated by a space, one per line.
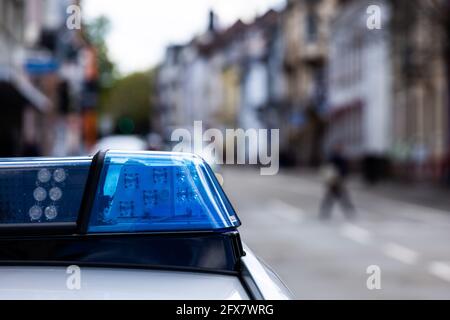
x=130 y=193
x=140 y=192
x=144 y=209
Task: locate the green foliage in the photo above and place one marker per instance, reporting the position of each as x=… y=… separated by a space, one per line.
x=129 y=103
x=96 y=32
x=126 y=99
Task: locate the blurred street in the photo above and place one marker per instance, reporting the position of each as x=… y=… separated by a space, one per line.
x=328 y=259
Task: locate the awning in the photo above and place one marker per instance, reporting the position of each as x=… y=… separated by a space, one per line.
x=17 y=84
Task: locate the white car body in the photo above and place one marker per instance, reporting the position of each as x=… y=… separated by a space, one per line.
x=18 y=282
x=50 y=283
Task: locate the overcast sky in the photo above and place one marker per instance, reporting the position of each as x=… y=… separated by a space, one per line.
x=141 y=29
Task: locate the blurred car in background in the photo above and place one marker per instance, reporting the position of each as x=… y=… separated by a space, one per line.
x=122 y=142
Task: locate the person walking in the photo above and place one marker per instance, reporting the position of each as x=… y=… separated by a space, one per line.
x=335 y=174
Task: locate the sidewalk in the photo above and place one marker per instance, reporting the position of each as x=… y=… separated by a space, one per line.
x=424 y=194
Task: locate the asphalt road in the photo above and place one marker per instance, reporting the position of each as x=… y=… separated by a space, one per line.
x=410 y=243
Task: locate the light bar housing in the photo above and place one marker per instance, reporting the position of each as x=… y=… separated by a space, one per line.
x=114 y=192
x=38 y=191
x=117 y=209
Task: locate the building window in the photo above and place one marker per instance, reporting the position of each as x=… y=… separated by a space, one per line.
x=311 y=27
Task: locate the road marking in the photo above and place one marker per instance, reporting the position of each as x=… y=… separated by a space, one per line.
x=440 y=270
x=301 y=189
x=400 y=253
x=286 y=211
x=356 y=233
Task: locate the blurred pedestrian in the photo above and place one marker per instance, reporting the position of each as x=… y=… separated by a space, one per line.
x=335 y=174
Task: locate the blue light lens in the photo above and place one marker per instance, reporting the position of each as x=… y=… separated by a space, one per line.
x=154 y=191
x=42 y=190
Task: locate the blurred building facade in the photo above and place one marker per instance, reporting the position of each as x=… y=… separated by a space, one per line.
x=226 y=78
x=189 y=84
x=63 y=64
x=57 y=71
x=420 y=88
x=306 y=25
x=317 y=72
x=388 y=94
x=168 y=114
x=18 y=95
x=360 y=82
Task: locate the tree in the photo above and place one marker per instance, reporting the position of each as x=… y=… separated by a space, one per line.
x=129 y=104
x=96 y=32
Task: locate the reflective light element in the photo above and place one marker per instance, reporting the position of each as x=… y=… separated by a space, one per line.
x=155 y=191
x=35 y=212
x=51 y=212
x=39 y=194
x=28 y=189
x=59 y=175
x=44 y=175
x=55 y=194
